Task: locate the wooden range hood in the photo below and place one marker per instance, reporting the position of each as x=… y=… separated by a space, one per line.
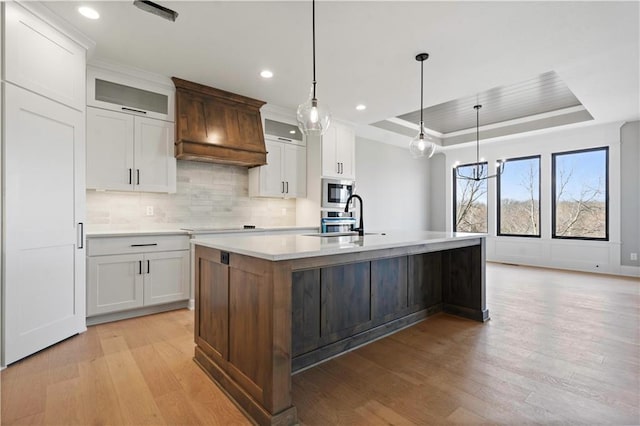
x=216 y=126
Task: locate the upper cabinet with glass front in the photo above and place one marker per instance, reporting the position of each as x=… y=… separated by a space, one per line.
x=130 y=131
x=112 y=90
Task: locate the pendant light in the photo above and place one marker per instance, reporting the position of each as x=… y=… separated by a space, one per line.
x=478 y=168
x=423 y=144
x=313 y=118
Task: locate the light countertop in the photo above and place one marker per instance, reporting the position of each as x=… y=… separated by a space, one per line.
x=196 y=232
x=297 y=246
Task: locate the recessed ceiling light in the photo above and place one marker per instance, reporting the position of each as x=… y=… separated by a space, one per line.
x=361 y=107
x=88 y=12
x=266 y=74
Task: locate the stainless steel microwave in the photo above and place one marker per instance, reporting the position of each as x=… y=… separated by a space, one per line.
x=335 y=193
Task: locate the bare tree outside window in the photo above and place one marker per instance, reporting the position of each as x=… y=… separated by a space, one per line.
x=580 y=194
x=470 y=202
x=519 y=198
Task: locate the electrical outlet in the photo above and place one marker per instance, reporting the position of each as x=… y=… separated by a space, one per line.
x=149 y=210
x=633 y=256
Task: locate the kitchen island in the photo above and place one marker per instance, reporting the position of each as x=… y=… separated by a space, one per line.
x=268 y=306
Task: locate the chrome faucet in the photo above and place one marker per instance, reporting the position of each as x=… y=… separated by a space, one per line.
x=346 y=209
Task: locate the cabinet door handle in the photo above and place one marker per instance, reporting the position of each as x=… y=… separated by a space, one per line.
x=284 y=139
x=338 y=167
x=130 y=176
x=137 y=176
x=287 y=187
x=282 y=187
x=144 y=245
x=148 y=266
x=139 y=267
x=134 y=110
x=81 y=226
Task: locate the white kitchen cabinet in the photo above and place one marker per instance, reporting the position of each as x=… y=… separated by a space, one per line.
x=125 y=273
x=112 y=87
x=129 y=153
x=284 y=175
x=115 y=283
x=41 y=59
x=166 y=278
x=43 y=182
x=338 y=152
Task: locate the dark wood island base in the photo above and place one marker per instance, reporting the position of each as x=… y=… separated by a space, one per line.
x=258 y=321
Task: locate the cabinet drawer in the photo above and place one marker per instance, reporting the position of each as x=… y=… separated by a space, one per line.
x=148 y=243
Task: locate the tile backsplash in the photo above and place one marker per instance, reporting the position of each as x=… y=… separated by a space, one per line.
x=208 y=195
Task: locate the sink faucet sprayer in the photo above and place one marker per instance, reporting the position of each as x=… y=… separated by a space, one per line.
x=346 y=210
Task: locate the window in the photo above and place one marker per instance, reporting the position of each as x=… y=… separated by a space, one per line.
x=519 y=198
x=580 y=194
x=470 y=200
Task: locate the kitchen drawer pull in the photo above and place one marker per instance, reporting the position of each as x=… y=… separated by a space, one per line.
x=148 y=266
x=134 y=110
x=284 y=139
x=144 y=245
x=140 y=267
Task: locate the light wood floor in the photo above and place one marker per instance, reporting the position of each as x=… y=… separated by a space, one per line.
x=561 y=347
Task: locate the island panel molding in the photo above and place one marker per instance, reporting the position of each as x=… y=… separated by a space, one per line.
x=283 y=315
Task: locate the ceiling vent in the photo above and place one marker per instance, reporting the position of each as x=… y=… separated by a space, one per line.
x=156 y=9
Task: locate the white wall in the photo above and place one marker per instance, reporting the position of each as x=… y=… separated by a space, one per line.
x=437 y=193
x=208 y=195
x=630 y=192
x=595 y=256
x=393 y=185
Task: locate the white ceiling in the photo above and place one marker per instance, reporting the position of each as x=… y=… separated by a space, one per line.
x=366 y=50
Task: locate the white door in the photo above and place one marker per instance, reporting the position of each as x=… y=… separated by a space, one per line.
x=295 y=170
x=166 y=277
x=155 y=164
x=115 y=283
x=330 y=167
x=44 y=206
x=271 y=180
x=109 y=150
x=345 y=151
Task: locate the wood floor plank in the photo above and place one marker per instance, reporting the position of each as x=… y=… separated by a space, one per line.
x=156 y=373
x=63 y=400
x=99 y=399
x=134 y=396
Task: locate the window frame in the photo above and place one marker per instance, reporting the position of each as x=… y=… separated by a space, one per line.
x=499 y=199
x=455 y=194
x=606 y=189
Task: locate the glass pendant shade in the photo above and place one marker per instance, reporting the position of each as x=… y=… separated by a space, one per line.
x=423 y=145
x=313 y=118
